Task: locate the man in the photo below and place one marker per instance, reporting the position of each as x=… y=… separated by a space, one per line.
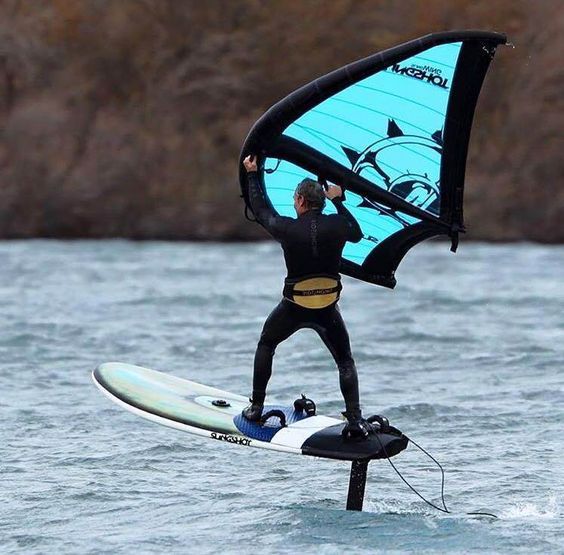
x=312 y=246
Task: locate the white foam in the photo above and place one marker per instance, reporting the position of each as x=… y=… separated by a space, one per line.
x=531 y=510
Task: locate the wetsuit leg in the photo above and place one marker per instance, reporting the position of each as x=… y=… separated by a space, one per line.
x=331 y=327
x=280 y=324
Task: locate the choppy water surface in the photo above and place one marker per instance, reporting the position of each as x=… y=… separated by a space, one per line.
x=466 y=356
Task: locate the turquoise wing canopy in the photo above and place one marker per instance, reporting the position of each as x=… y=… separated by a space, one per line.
x=393 y=130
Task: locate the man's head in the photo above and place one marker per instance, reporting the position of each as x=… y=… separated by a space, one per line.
x=309 y=195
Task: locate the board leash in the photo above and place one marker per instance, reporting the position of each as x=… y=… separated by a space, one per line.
x=444 y=508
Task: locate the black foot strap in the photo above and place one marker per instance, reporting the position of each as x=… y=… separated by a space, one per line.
x=382 y=421
x=274 y=412
x=303 y=404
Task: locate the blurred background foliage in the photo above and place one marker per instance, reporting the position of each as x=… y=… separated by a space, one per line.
x=124 y=118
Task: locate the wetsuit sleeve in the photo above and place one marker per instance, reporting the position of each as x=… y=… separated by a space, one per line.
x=274 y=224
x=353 y=233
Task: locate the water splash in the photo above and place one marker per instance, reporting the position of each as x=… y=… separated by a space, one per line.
x=533 y=510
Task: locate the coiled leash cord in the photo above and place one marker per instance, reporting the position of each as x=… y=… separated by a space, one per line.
x=444 y=508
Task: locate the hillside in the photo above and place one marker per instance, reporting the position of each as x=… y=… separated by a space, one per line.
x=124 y=118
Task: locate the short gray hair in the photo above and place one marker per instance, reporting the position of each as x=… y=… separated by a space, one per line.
x=313 y=193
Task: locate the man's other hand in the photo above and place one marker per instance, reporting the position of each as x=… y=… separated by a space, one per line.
x=250 y=163
x=333 y=191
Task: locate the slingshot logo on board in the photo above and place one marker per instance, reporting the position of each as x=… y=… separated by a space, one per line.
x=231 y=439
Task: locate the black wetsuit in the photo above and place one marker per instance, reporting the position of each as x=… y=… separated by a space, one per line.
x=312 y=245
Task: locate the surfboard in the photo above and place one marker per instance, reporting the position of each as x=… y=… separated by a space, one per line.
x=213 y=413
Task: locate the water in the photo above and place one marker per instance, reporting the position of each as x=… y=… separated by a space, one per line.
x=466 y=356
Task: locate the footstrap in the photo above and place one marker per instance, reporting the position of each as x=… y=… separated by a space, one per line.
x=383 y=422
x=303 y=404
x=274 y=412
x=384 y=425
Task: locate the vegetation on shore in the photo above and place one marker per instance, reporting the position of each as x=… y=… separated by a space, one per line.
x=124 y=118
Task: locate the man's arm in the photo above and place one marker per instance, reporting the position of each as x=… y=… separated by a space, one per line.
x=353 y=232
x=273 y=223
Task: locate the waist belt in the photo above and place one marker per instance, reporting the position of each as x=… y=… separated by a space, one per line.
x=313 y=292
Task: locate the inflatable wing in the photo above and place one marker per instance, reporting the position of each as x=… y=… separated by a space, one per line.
x=393 y=130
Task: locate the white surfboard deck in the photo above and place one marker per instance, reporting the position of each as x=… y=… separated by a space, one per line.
x=210 y=412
